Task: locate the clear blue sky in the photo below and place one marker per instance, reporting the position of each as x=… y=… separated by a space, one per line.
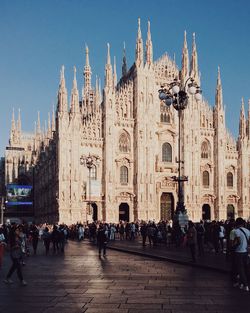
x=37 y=37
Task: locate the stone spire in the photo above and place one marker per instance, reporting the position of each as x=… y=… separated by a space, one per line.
x=149 y=47
x=139 y=46
x=13 y=123
x=218 y=97
x=114 y=74
x=248 y=120
x=53 y=123
x=13 y=128
x=185 y=60
x=74 y=104
x=38 y=128
x=100 y=89
x=19 y=124
x=194 y=71
x=49 y=126
x=97 y=96
x=124 y=61
x=242 y=125
x=62 y=104
x=87 y=72
x=108 y=71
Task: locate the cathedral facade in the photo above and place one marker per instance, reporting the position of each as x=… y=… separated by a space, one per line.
x=132 y=140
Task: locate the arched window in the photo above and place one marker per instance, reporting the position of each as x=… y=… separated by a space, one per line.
x=205 y=179
x=124 y=143
x=205 y=150
x=124 y=175
x=230 y=180
x=166 y=152
x=93 y=173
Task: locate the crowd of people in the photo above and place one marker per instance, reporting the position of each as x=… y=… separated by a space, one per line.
x=229 y=237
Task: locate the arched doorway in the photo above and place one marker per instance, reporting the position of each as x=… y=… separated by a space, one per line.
x=230 y=212
x=206 y=212
x=94 y=212
x=167 y=206
x=124 y=212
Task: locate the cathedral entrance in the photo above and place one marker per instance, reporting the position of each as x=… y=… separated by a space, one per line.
x=95 y=212
x=124 y=212
x=230 y=212
x=167 y=206
x=206 y=212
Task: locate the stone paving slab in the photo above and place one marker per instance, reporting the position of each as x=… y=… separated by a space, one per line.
x=80 y=282
x=180 y=255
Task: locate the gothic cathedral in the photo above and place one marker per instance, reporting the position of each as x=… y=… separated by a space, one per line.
x=131 y=139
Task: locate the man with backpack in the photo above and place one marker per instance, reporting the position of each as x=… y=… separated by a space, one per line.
x=239 y=243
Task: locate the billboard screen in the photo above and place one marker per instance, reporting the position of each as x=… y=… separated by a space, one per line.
x=19 y=195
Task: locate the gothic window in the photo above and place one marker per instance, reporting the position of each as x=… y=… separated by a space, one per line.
x=124 y=143
x=230 y=179
x=205 y=179
x=205 y=150
x=93 y=173
x=124 y=175
x=166 y=152
x=165 y=118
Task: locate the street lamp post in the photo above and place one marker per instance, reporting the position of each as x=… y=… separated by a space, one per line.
x=89 y=161
x=177 y=95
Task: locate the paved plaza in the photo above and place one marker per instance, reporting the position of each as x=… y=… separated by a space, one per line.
x=80 y=281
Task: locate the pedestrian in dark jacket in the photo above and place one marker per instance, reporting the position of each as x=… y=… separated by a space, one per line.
x=102 y=239
x=34 y=233
x=15 y=254
x=192 y=239
x=46 y=239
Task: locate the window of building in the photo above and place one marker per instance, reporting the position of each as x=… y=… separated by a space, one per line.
x=205 y=150
x=205 y=179
x=124 y=143
x=230 y=180
x=93 y=173
x=166 y=152
x=124 y=175
x=165 y=118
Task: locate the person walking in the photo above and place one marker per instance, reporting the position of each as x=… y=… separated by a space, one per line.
x=2 y=246
x=143 y=231
x=102 y=240
x=240 y=242
x=80 y=232
x=34 y=233
x=46 y=239
x=16 y=254
x=192 y=239
x=200 y=238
